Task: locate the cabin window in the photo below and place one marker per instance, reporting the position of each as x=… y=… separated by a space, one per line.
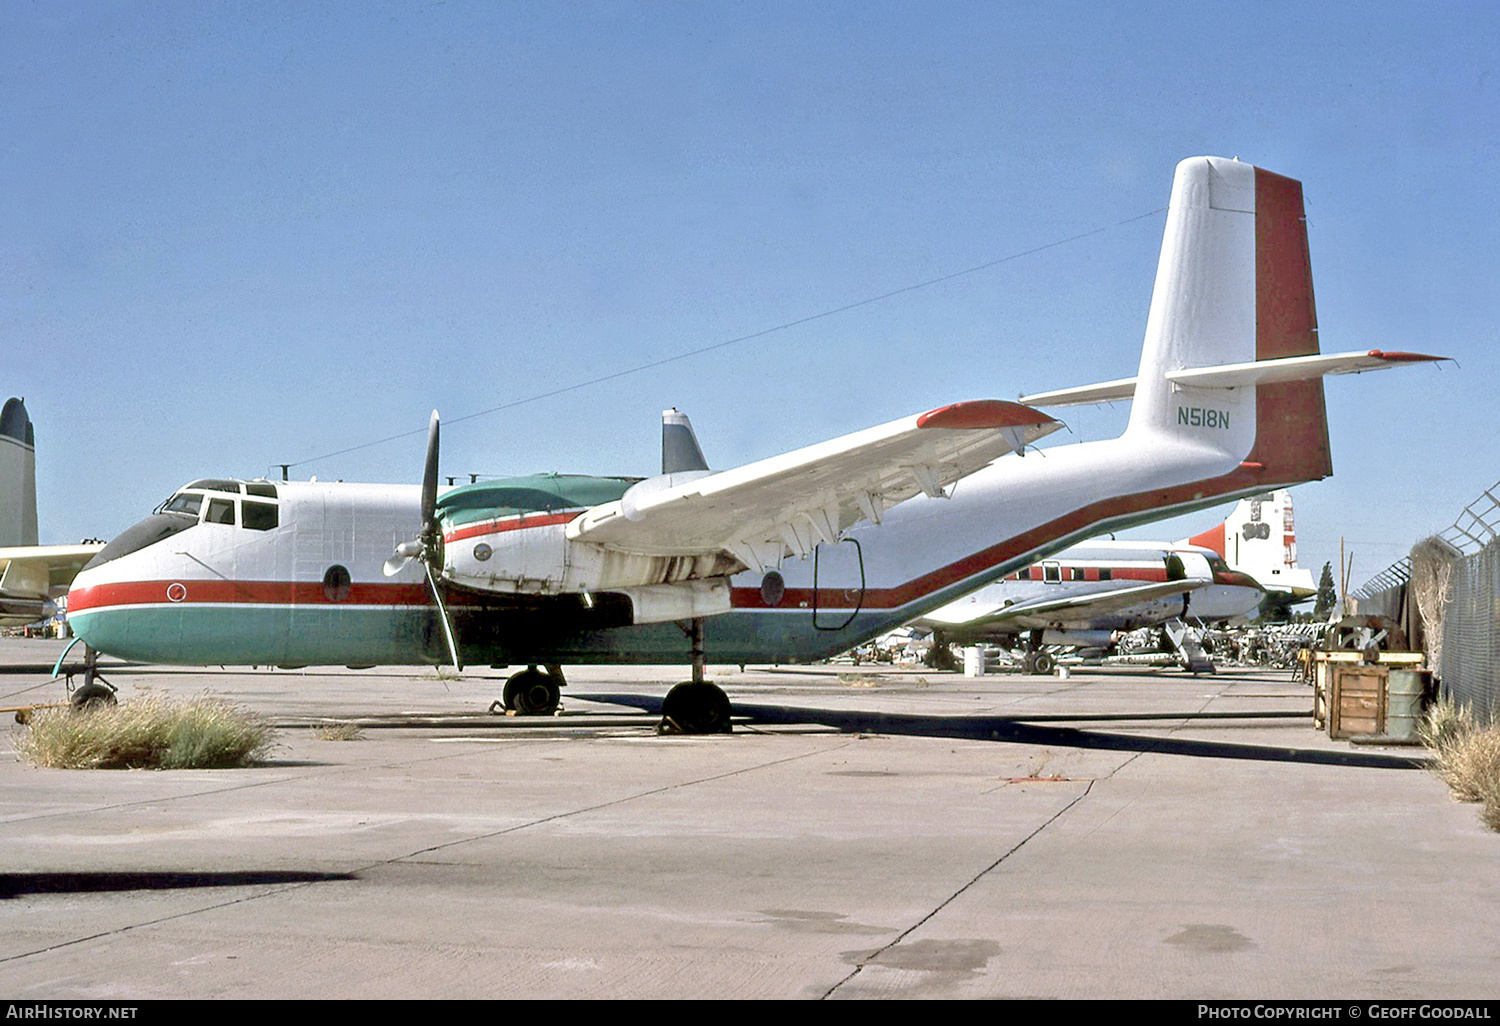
x=1104 y=573
x=1051 y=573
x=259 y=516
x=220 y=511
x=336 y=583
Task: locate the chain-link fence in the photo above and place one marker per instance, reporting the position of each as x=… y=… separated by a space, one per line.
x=1470 y=654
x=1448 y=591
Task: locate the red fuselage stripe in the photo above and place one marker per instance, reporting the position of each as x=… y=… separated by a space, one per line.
x=519 y=523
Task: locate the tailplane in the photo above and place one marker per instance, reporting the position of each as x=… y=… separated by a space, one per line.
x=1231 y=362
x=17 y=476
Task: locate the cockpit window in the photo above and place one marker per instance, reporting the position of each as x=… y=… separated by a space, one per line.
x=259 y=516
x=262 y=488
x=220 y=511
x=189 y=504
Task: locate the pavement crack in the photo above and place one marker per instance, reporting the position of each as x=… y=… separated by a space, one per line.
x=874 y=955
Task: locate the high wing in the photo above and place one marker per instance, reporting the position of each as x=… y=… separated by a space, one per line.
x=1075 y=608
x=789 y=503
x=39 y=569
x=32 y=575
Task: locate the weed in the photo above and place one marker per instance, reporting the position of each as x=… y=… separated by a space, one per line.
x=338 y=732
x=1467 y=757
x=150 y=732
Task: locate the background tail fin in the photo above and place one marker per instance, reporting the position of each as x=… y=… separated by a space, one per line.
x=17 y=476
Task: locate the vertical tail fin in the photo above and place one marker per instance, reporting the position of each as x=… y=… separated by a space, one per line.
x=1234 y=285
x=17 y=476
x=1259 y=538
x=679 y=445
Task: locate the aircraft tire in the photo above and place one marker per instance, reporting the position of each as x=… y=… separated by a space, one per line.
x=532 y=693
x=695 y=708
x=1042 y=662
x=93 y=696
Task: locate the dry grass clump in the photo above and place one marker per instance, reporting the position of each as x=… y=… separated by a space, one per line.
x=343 y=731
x=1468 y=757
x=153 y=732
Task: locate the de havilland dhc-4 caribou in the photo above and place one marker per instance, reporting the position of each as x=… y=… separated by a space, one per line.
x=789 y=559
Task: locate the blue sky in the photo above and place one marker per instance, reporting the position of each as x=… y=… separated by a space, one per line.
x=237 y=235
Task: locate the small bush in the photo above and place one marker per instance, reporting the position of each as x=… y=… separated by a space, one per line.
x=153 y=732
x=1467 y=757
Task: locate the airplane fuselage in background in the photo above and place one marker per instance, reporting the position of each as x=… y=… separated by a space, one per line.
x=1083 y=595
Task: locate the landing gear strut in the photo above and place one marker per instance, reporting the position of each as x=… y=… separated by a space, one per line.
x=95 y=692
x=533 y=692
x=695 y=706
x=1036 y=660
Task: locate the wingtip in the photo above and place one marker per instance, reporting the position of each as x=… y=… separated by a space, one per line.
x=983 y=413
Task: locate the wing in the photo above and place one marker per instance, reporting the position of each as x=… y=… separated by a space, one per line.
x=42 y=569
x=1078 y=607
x=789 y=503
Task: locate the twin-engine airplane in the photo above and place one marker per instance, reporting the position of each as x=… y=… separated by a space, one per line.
x=788 y=559
x=32 y=576
x=1085 y=595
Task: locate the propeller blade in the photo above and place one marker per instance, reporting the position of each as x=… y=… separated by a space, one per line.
x=430 y=473
x=437 y=597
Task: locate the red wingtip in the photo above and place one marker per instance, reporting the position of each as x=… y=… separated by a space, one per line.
x=982 y=413
x=1380 y=354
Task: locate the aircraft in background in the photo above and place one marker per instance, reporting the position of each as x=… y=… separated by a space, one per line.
x=32 y=576
x=1085 y=595
x=1260 y=539
x=788 y=559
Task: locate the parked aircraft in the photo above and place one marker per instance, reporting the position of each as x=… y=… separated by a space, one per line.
x=788 y=559
x=1260 y=538
x=31 y=575
x=1087 y=593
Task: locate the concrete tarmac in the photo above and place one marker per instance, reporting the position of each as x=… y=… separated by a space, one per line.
x=862 y=833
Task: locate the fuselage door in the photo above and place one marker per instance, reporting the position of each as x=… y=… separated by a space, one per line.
x=838 y=584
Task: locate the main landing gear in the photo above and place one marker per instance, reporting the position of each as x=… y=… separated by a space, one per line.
x=533 y=692
x=1036 y=659
x=695 y=706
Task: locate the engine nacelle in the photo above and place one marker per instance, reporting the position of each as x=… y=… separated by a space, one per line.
x=516 y=558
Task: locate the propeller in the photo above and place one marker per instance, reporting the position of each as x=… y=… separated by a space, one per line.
x=428 y=546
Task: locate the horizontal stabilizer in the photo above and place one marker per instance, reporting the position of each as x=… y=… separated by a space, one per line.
x=1236 y=375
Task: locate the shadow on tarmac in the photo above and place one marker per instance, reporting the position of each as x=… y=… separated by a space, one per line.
x=14 y=885
x=1018 y=731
